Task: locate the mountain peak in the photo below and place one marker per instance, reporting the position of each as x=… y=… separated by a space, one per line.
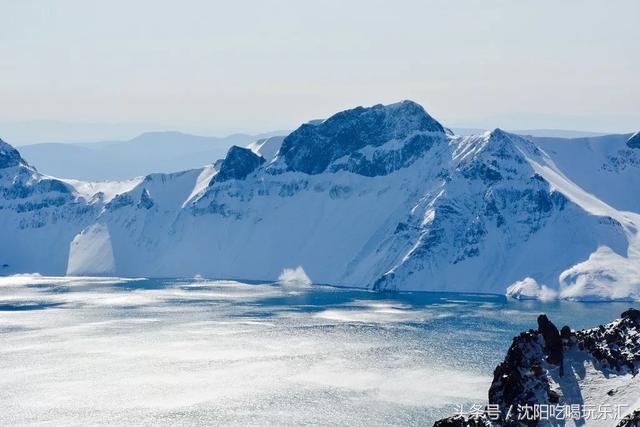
x=9 y=156
x=497 y=133
x=313 y=147
x=502 y=144
x=502 y=136
x=238 y=164
x=406 y=106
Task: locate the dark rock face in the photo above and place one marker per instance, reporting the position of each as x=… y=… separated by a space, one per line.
x=565 y=332
x=537 y=355
x=146 y=201
x=384 y=162
x=634 y=141
x=631 y=420
x=20 y=190
x=313 y=147
x=616 y=345
x=9 y=156
x=463 y=421
x=120 y=201
x=552 y=341
x=238 y=164
x=37 y=200
x=632 y=314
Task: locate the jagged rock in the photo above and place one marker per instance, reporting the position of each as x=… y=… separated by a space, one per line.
x=9 y=156
x=631 y=420
x=146 y=201
x=553 y=343
x=565 y=332
x=464 y=421
x=632 y=314
x=120 y=201
x=238 y=164
x=313 y=147
x=526 y=374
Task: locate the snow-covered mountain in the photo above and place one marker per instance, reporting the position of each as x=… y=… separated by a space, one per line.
x=382 y=197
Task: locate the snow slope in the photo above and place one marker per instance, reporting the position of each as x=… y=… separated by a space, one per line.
x=602 y=176
x=381 y=197
x=267 y=147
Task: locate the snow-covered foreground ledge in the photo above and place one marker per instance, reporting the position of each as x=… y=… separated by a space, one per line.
x=566 y=377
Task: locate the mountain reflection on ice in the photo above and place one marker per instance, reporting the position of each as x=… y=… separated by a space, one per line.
x=97 y=350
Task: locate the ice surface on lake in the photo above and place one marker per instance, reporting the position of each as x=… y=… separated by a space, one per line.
x=106 y=350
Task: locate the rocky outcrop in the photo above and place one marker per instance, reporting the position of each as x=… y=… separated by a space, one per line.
x=146 y=201
x=631 y=420
x=238 y=164
x=313 y=147
x=552 y=340
x=9 y=156
x=634 y=141
x=531 y=373
x=465 y=421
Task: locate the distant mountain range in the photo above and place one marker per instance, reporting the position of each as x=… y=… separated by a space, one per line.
x=120 y=160
x=382 y=197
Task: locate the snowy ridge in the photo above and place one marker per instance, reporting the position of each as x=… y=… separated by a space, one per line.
x=380 y=197
x=106 y=190
x=267 y=147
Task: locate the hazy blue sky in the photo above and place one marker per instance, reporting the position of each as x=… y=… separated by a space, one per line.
x=225 y=66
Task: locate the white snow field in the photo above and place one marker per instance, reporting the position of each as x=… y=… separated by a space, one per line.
x=380 y=198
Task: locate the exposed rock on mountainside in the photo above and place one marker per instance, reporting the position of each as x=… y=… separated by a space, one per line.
x=588 y=368
x=239 y=163
x=631 y=420
x=9 y=156
x=39 y=216
x=405 y=126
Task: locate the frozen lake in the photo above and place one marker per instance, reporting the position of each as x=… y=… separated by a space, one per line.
x=92 y=351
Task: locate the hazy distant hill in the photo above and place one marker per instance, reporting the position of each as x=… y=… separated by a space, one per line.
x=147 y=153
